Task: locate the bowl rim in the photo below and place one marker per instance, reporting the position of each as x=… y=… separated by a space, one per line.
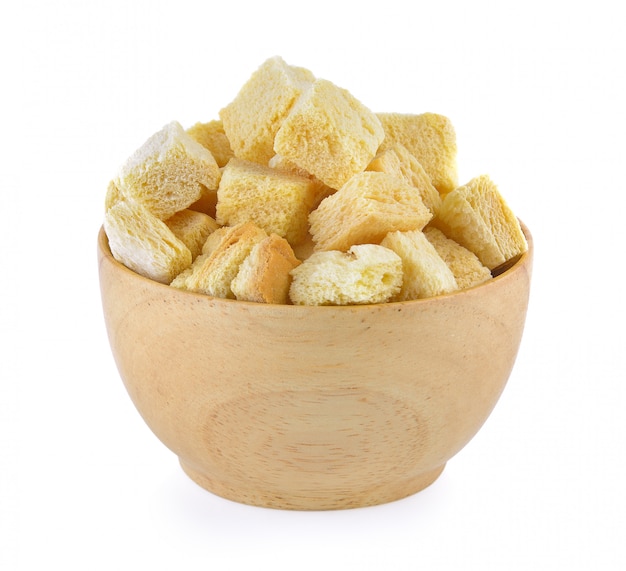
x=520 y=262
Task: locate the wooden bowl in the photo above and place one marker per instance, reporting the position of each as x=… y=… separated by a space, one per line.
x=313 y=408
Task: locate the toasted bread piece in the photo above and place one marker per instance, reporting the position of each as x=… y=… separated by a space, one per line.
x=425 y=273
x=465 y=265
x=252 y=119
x=322 y=190
x=365 y=209
x=211 y=136
x=264 y=275
x=477 y=217
x=329 y=134
x=192 y=228
x=213 y=273
x=367 y=273
x=143 y=243
x=169 y=172
x=277 y=201
x=398 y=161
x=431 y=139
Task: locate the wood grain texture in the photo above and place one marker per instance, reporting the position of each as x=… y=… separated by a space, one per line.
x=313 y=407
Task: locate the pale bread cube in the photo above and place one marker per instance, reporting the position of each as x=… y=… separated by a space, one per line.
x=329 y=134
x=477 y=217
x=425 y=274
x=252 y=119
x=365 y=210
x=366 y=274
x=264 y=276
x=431 y=139
x=168 y=173
x=211 y=136
x=143 y=243
x=465 y=265
x=212 y=274
x=192 y=228
x=398 y=161
x=277 y=201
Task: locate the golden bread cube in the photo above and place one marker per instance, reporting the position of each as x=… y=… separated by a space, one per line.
x=329 y=134
x=264 y=276
x=425 y=274
x=367 y=273
x=477 y=217
x=277 y=201
x=252 y=119
x=143 y=243
x=431 y=139
x=365 y=210
x=168 y=173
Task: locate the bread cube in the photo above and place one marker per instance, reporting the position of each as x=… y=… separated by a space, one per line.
x=212 y=273
x=277 y=201
x=143 y=243
x=367 y=273
x=425 y=274
x=398 y=161
x=477 y=217
x=192 y=228
x=264 y=276
x=212 y=136
x=329 y=134
x=465 y=265
x=365 y=210
x=252 y=119
x=431 y=139
x=168 y=173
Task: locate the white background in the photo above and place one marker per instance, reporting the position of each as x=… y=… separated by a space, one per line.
x=536 y=93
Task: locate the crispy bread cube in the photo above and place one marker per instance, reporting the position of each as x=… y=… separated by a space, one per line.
x=329 y=134
x=398 y=161
x=431 y=139
x=168 y=173
x=277 y=201
x=192 y=228
x=477 y=217
x=365 y=209
x=143 y=243
x=252 y=119
x=367 y=273
x=211 y=136
x=425 y=273
x=465 y=265
x=212 y=273
x=264 y=275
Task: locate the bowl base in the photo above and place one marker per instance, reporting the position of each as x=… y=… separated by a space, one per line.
x=331 y=500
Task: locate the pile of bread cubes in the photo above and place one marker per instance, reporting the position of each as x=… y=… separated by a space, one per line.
x=299 y=194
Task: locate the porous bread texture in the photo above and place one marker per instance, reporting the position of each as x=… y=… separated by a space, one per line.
x=431 y=139
x=143 y=243
x=366 y=274
x=264 y=276
x=465 y=265
x=212 y=274
x=425 y=274
x=192 y=228
x=476 y=216
x=365 y=209
x=329 y=134
x=254 y=116
x=211 y=136
x=277 y=201
x=168 y=173
x=398 y=161
x=322 y=190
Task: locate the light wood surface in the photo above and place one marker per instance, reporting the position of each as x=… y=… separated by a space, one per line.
x=313 y=407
